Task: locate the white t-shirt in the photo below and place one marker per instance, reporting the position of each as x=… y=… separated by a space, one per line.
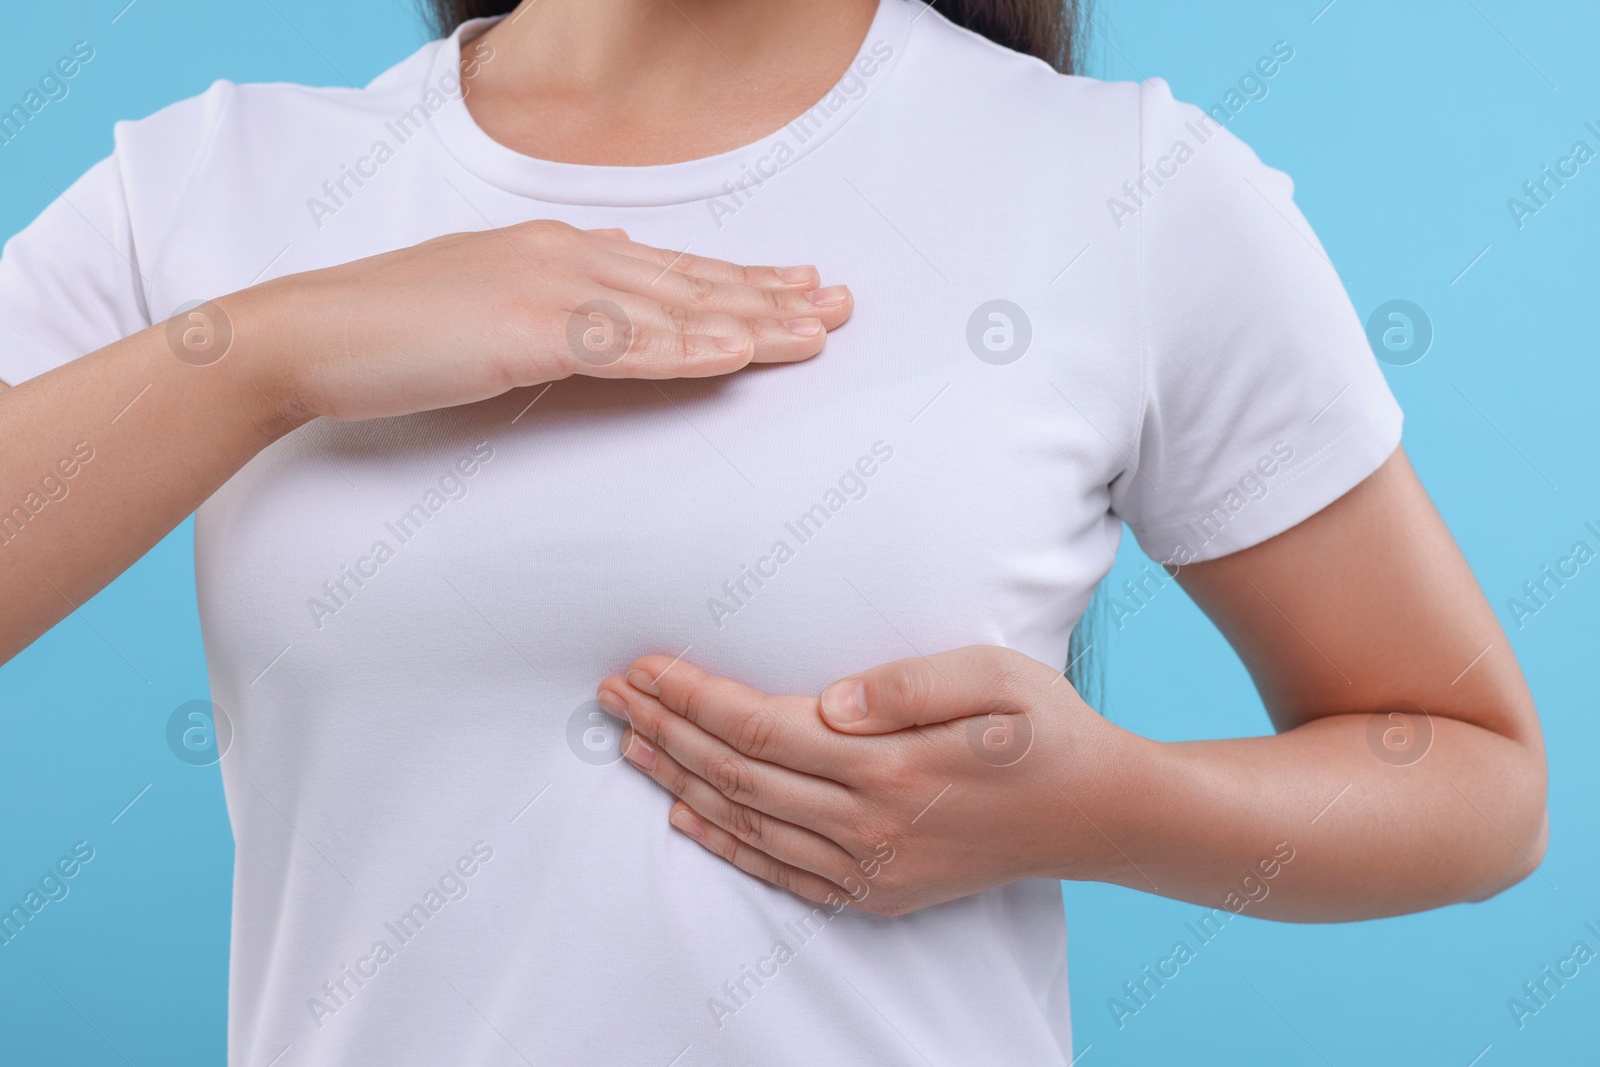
x=439 y=858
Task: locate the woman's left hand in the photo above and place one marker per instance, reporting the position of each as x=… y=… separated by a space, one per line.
x=910 y=784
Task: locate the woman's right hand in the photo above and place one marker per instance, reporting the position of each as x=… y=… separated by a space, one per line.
x=468 y=316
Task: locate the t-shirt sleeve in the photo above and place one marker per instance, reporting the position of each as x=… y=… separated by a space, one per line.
x=79 y=277
x=70 y=282
x=1262 y=400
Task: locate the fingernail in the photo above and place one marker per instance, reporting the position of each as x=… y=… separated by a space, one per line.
x=833 y=294
x=640 y=753
x=643 y=682
x=687 y=823
x=613 y=705
x=845 y=702
x=797 y=274
x=805 y=327
x=730 y=343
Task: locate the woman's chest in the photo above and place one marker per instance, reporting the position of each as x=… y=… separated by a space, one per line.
x=894 y=496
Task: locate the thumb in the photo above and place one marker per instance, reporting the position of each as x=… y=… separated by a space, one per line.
x=925 y=690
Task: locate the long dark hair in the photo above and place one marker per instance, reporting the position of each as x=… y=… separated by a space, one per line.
x=1048 y=29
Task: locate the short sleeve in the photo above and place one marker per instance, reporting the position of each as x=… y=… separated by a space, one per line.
x=79 y=277
x=70 y=282
x=1263 y=402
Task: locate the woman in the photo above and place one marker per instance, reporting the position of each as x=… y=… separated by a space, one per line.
x=484 y=410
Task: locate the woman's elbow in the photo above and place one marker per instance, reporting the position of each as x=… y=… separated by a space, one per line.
x=1522 y=826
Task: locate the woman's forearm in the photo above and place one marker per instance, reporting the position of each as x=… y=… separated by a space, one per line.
x=102 y=457
x=978 y=767
x=1311 y=825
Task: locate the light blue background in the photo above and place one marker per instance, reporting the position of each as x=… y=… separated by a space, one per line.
x=1406 y=127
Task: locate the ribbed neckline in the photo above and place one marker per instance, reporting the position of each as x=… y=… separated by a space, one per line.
x=669 y=183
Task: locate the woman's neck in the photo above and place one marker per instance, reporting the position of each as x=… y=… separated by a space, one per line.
x=637 y=82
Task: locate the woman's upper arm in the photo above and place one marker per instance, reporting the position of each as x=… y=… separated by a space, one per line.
x=1366 y=604
x=1267 y=473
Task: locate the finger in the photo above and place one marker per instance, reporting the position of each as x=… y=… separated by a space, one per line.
x=978 y=680
x=611 y=231
x=706 y=346
x=669 y=335
x=778 y=729
x=799 y=798
x=754 y=862
x=800 y=277
x=782 y=840
x=656 y=341
x=692 y=292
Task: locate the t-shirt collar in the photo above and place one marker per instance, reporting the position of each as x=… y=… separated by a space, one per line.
x=881 y=53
